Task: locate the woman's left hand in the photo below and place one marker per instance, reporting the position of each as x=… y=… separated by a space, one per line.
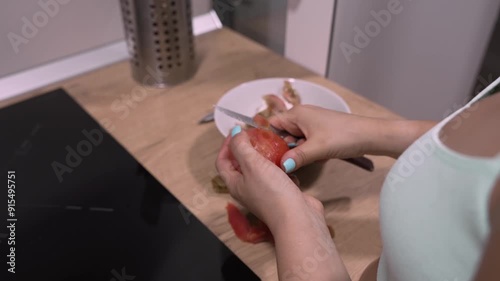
x=261 y=186
x=296 y=220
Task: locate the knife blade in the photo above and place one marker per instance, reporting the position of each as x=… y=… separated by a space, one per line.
x=249 y=121
x=361 y=162
x=240 y=117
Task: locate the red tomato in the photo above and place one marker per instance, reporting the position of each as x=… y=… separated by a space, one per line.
x=251 y=229
x=267 y=143
x=247 y=230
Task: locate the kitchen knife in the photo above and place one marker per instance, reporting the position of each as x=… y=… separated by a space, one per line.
x=361 y=162
x=249 y=121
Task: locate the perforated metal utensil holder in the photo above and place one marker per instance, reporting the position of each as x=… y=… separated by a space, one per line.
x=159 y=37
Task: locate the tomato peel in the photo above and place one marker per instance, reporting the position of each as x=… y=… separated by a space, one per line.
x=261 y=121
x=247 y=230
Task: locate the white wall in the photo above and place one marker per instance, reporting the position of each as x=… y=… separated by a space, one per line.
x=73 y=27
x=424 y=62
x=308 y=32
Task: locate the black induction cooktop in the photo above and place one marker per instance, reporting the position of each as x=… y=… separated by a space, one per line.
x=77 y=206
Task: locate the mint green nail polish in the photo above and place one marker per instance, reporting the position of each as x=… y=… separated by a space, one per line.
x=289 y=165
x=236 y=130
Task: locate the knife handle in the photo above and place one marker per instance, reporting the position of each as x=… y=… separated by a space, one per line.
x=361 y=162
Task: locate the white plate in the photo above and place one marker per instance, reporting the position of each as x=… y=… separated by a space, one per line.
x=247 y=99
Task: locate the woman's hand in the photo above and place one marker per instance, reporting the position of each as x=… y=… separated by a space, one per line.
x=296 y=220
x=259 y=184
x=330 y=134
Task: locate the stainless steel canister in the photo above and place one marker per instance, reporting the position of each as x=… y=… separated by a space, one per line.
x=159 y=35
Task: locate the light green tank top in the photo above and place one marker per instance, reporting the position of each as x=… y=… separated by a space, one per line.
x=434 y=210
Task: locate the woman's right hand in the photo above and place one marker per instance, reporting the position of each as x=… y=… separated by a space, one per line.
x=324 y=134
x=331 y=134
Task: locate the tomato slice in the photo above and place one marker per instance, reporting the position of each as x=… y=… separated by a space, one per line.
x=248 y=230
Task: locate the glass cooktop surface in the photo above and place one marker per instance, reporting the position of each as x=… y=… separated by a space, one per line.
x=77 y=206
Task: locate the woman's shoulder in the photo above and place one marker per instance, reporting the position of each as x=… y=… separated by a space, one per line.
x=475 y=131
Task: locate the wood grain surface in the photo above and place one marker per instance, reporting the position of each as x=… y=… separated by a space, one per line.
x=159 y=128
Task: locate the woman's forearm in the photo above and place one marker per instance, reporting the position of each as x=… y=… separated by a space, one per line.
x=304 y=248
x=393 y=137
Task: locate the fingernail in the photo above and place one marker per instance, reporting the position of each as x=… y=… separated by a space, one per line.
x=289 y=165
x=236 y=130
x=292 y=145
